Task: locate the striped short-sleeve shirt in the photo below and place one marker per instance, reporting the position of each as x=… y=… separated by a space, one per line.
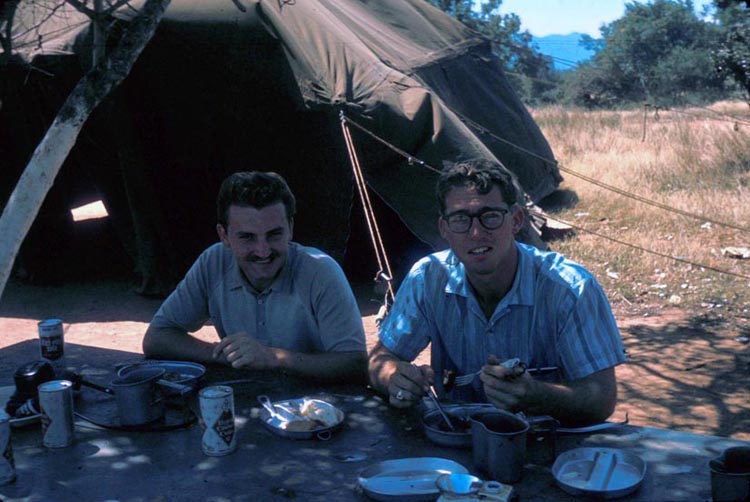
x=555 y=314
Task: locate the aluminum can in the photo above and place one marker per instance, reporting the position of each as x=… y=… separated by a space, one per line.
x=7 y=465
x=56 y=406
x=217 y=419
x=52 y=343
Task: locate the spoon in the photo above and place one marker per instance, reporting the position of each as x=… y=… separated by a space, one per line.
x=433 y=397
x=269 y=406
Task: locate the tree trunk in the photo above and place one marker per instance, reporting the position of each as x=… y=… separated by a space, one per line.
x=39 y=175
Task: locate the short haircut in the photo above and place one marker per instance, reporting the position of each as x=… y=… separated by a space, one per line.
x=479 y=174
x=254 y=189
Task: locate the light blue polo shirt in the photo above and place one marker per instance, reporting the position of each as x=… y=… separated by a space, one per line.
x=555 y=314
x=308 y=308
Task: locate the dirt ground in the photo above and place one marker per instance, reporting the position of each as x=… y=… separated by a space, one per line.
x=687 y=371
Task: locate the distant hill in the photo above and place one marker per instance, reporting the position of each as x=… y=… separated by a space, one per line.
x=564 y=49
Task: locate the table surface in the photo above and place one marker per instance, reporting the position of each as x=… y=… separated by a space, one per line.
x=113 y=465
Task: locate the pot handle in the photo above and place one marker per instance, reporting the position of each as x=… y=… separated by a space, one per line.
x=184 y=389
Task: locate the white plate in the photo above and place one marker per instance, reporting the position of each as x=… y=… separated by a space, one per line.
x=407 y=479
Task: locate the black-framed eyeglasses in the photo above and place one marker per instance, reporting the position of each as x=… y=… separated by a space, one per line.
x=460 y=222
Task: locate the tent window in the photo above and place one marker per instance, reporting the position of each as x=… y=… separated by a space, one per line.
x=92 y=211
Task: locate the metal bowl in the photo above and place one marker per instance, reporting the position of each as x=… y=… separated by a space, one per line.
x=437 y=432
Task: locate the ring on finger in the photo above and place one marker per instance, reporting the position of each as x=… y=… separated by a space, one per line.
x=400 y=394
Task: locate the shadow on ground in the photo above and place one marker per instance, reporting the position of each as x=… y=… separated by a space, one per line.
x=687 y=373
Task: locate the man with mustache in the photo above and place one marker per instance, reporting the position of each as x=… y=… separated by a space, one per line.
x=276 y=305
x=489 y=299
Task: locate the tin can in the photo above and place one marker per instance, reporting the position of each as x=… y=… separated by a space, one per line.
x=7 y=465
x=217 y=419
x=56 y=406
x=52 y=343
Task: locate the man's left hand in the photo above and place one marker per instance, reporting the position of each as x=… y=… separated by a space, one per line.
x=241 y=350
x=507 y=388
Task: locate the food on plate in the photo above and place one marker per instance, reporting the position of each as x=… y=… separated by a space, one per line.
x=310 y=416
x=325 y=415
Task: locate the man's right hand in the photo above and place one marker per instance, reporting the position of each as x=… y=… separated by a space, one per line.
x=403 y=382
x=409 y=384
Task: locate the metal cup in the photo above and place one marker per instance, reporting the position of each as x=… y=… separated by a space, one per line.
x=730 y=475
x=499 y=444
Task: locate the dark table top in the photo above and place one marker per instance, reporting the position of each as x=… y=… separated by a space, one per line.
x=109 y=465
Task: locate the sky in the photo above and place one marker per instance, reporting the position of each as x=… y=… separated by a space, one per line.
x=560 y=17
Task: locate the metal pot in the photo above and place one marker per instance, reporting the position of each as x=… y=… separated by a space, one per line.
x=138 y=396
x=180 y=378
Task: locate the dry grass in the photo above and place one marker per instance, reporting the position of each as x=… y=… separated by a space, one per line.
x=696 y=160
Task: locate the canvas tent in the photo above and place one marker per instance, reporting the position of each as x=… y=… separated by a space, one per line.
x=230 y=85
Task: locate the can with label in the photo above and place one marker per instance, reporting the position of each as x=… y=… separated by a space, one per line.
x=56 y=406
x=217 y=419
x=52 y=344
x=7 y=465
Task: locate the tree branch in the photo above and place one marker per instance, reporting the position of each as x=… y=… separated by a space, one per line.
x=39 y=175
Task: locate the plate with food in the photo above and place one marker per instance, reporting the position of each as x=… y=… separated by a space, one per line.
x=302 y=418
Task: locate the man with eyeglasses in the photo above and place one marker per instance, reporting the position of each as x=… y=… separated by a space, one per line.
x=489 y=299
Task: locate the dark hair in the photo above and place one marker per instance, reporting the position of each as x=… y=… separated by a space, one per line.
x=255 y=189
x=480 y=175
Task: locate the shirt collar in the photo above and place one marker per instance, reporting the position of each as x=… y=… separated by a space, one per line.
x=521 y=292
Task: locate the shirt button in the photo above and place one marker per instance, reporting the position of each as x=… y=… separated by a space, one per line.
x=260 y=302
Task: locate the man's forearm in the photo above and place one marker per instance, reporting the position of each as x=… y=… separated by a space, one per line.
x=381 y=367
x=582 y=402
x=169 y=343
x=328 y=366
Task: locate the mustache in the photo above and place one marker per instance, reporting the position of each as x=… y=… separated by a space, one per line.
x=255 y=259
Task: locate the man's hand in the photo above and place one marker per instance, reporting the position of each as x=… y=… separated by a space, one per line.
x=241 y=350
x=507 y=388
x=408 y=384
x=401 y=381
x=586 y=401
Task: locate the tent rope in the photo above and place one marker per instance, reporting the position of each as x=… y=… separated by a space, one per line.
x=384 y=273
x=534 y=213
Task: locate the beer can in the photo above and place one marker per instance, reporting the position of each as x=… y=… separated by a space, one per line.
x=7 y=465
x=56 y=407
x=217 y=419
x=52 y=343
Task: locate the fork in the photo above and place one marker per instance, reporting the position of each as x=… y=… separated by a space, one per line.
x=464 y=380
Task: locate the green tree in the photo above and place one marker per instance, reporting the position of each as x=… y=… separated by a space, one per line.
x=733 y=54
x=658 y=51
x=530 y=72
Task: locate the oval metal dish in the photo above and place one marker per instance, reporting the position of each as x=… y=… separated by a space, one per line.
x=603 y=473
x=407 y=479
x=276 y=425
